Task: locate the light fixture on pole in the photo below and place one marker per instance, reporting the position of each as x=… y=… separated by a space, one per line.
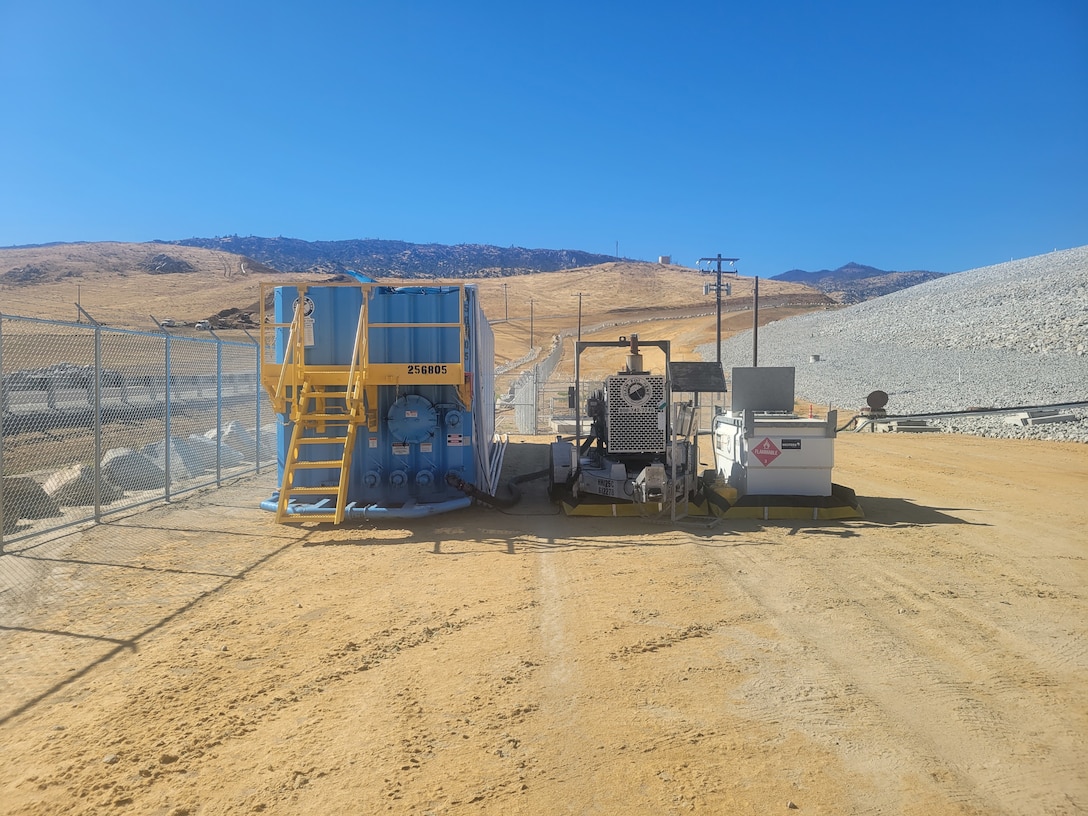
x=717 y=287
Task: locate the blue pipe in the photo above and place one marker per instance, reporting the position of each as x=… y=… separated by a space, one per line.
x=373 y=511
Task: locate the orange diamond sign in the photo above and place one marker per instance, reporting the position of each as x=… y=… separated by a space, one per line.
x=766 y=451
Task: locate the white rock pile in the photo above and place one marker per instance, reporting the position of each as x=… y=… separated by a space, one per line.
x=1014 y=334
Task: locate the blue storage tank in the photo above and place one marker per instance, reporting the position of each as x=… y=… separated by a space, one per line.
x=427 y=396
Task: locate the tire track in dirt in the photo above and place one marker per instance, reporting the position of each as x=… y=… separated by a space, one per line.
x=645 y=637
x=834 y=694
x=936 y=688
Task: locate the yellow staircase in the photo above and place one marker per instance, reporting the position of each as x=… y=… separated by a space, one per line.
x=320 y=420
x=327 y=407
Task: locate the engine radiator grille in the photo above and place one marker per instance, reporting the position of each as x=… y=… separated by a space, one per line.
x=636 y=413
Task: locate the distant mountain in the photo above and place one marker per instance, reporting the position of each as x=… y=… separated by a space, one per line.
x=856 y=282
x=399 y=259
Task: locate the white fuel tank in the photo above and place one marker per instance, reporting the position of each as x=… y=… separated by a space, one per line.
x=775 y=454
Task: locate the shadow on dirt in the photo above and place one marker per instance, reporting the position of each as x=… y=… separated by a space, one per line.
x=892 y=512
x=121 y=645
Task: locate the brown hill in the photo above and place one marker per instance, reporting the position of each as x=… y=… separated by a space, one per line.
x=122 y=284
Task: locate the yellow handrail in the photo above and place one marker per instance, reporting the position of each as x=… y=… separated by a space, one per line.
x=279 y=396
x=357 y=352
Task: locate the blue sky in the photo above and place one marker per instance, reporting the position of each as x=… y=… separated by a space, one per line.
x=924 y=135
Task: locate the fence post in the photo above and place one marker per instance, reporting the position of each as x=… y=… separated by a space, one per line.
x=97 y=423
x=218 y=412
x=3 y=411
x=257 y=410
x=166 y=407
x=536 y=399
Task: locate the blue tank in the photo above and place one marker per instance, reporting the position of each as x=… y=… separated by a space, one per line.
x=428 y=387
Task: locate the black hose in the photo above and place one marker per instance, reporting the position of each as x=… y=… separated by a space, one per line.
x=495 y=501
x=528 y=477
x=853 y=420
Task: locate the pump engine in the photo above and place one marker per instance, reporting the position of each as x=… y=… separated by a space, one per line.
x=635 y=451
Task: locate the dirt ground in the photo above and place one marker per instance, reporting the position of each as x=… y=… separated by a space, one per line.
x=930 y=658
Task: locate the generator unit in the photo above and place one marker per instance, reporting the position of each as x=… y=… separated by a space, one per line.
x=638 y=450
x=385 y=397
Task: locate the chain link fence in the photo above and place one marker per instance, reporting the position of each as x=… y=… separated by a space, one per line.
x=537 y=401
x=97 y=420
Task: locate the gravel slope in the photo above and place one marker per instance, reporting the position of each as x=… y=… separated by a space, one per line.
x=1006 y=335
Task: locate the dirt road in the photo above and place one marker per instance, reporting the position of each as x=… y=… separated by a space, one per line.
x=929 y=659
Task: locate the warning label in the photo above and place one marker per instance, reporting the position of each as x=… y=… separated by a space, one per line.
x=307 y=306
x=308 y=322
x=766 y=451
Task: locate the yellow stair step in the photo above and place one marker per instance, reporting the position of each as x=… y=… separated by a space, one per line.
x=320 y=463
x=300 y=517
x=312 y=491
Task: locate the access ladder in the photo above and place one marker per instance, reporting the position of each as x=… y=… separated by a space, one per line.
x=325 y=398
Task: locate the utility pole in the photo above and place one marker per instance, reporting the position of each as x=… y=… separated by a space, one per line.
x=506 y=301
x=755 y=324
x=719 y=260
x=530 y=324
x=579 y=317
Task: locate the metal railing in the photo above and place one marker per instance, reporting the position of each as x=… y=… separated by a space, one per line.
x=96 y=420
